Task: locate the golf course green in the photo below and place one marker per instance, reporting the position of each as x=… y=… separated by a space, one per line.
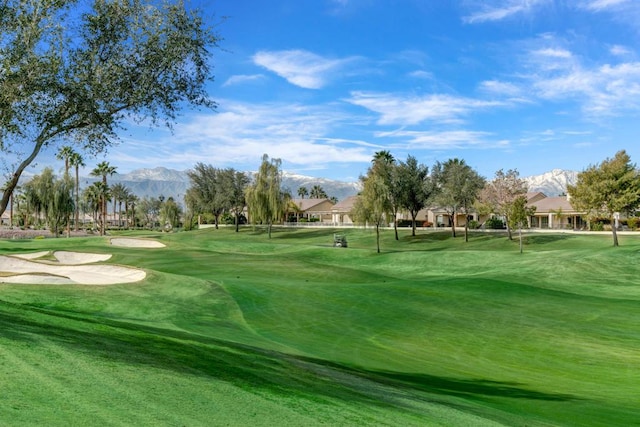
x=236 y=329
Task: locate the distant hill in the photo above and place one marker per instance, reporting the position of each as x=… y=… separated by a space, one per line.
x=173 y=183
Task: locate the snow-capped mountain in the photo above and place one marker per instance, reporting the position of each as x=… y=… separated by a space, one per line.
x=553 y=183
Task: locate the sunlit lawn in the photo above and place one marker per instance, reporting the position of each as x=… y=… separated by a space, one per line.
x=236 y=329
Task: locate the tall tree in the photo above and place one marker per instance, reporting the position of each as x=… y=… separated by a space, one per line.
x=384 y=165
x=119 y=193
x=609 y=188
x=170 y=213
x=77 y=161
x=458 y=187
x=265 y=197
x=103 y=169
x=373 y=206
x=211 y=189
x=415 y=188
x=501 y=192
x=317 y=192
x=69 y=75
x=237 y=199
x=64 y=153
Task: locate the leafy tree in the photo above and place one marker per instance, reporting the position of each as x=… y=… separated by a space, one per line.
x=501 y=192
x=372 y=205
x=82 y=80
x=91 y=200
x=149 y=210
x=608 y=188
x=518 y=213
x=265 y=198
x=415 y=188
x=65 y=153
x=170 y=213
x=384 y=165
x=60 y=205
x=103 y=169
x=237 y=200
x=458 y=188
x=303 y=192
x=212 y=189
x=130 y=209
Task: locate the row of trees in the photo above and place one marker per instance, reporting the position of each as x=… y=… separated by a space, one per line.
x=391 y=186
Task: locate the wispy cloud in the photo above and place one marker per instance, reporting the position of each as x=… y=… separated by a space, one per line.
x=501 y=88
x=502 y=9
x=445 y=140
x=395 y=109
x=242 y=78
x=598 y=5
x=300 y=67
x=298 y=134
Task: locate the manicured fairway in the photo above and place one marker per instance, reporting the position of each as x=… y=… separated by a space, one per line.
x=236 y=329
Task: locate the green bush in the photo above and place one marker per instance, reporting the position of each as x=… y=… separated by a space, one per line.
x=494 y=224
x=632 y=223
x=597 y=226
x=473 y=224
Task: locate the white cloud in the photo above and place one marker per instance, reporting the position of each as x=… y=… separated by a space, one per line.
x=396 y=109
x=502 y=9
x=618 y=50
x=501 y=88
x=302 y=135
x=445 y=140
x=598 y=5
x=300 y=67
x=242 y=78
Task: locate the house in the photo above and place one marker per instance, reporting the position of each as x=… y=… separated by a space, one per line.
x=6 y=218
x=341 y=211
x=555 y=213
x=320 y=210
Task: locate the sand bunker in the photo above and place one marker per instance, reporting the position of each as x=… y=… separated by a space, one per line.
x=136 y=243
x=70 y=268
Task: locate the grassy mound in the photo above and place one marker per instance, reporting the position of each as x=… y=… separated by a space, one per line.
x=236 y=329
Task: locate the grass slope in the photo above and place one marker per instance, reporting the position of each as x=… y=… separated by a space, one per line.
x=237 y=329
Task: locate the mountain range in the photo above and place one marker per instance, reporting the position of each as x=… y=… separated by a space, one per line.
x=173 y=183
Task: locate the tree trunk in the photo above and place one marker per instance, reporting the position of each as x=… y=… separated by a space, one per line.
x=77 y=209
x=378 y=237
x=269 y=228
x=453 y=224
x=237 y=222
x=506 y=218
x=466 y=232
x=520 y=234
x=395 y=226
x=615 y=232
x=413 y=223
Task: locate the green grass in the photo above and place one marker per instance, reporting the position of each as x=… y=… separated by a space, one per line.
x=236 y=329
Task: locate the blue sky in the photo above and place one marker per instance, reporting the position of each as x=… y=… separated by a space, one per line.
x=323 y=84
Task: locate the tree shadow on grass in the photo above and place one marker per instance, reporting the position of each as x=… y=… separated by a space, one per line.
x=544 y=239
x=245 y=366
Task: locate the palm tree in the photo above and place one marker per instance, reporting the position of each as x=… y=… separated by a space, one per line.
x=76 y=161
x=302 y=191
x=317 y=192
x=103 y=169
x=119 y=193
x=130 y=205
x=65 y=153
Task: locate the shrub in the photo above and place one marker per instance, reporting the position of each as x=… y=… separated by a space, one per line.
x=632 y=223
x=494 y=224
x=473 y=224
x=404 y=223
x=597 y=226
x=427 y=224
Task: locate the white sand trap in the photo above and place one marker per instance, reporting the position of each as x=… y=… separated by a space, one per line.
x=33 y=255
x=77 y=258
x=136 y=243
x=17 y=270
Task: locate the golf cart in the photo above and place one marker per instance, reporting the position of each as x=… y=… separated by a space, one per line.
x=339 y=241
